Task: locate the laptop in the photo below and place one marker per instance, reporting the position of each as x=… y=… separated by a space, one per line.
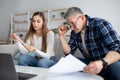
x=7 y=69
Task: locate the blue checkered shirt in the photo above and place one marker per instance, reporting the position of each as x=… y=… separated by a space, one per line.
x=100 y=38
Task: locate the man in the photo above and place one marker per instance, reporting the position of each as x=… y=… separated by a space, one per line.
x=97 y=41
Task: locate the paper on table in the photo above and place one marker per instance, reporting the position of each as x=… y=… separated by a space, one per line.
x=68 y=64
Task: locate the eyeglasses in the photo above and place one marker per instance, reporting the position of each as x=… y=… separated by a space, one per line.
x=73 y=24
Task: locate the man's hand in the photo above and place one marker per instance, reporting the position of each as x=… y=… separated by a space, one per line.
x=30 y=48
x=62 y=30
x=94 y=67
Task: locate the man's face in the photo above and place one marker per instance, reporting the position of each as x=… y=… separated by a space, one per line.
x=76 y=23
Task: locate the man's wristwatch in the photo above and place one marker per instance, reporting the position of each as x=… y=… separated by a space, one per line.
x=105 y=64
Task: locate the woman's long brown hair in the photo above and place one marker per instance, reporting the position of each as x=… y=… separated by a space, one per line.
x=31 y=31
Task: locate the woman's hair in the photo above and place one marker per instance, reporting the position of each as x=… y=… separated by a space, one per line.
x=31 y=31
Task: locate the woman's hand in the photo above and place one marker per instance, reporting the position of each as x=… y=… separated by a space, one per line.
x=30 y=48
x=94 y=67
x=15 y=37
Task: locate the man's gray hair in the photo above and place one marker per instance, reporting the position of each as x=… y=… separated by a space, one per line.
x=72 y=11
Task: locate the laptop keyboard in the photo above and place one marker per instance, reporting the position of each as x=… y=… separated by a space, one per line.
x=25 y=76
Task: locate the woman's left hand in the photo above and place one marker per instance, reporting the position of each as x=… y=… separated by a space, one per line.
x=30 y=48
x=94 y=67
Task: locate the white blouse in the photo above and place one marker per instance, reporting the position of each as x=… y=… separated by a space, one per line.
x=37 y=42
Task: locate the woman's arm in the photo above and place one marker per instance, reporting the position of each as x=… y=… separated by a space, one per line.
x=19 y=43
x=21 y=48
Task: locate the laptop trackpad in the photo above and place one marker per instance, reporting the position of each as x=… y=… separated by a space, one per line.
x=25 y=76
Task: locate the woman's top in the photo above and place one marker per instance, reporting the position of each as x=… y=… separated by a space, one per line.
x=37 y=42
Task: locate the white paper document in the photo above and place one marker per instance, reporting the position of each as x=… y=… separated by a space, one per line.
x=75 y=76
x=68 y=64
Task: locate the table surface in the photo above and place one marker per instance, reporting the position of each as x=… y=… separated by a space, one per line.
x=43 y=74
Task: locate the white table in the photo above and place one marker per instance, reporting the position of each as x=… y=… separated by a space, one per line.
x=42 y=74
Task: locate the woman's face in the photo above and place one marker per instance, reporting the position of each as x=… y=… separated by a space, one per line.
x=37 y=22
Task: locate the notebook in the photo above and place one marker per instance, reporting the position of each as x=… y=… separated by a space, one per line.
x=7 y=69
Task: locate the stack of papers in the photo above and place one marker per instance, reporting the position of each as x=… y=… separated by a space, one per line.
x=68 y=64
x=68 y=68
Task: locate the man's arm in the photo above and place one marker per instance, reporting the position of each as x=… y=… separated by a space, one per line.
x=61 y=31
x=112 y=57
x=66 y=48
x=95 y=67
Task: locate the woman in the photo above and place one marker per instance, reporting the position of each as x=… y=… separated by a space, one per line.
x=38 y=49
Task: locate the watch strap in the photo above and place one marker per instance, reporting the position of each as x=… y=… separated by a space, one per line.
x=105 y=64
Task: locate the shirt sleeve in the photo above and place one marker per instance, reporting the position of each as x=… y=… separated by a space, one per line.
x=110 y=37
x=50 y=47
x=21 y=48
x=72 y=42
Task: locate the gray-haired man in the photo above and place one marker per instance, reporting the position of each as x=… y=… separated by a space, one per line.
x=97 y=41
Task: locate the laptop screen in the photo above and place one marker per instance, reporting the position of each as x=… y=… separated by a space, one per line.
x=7 y=69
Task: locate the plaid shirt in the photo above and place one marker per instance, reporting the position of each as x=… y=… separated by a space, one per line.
x=100 y=38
